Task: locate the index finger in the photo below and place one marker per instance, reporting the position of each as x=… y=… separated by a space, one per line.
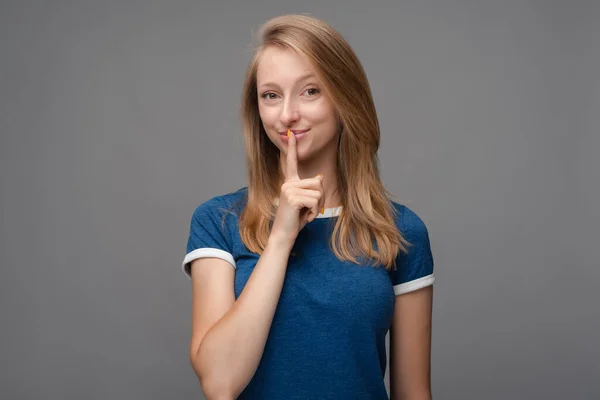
x=292 y=158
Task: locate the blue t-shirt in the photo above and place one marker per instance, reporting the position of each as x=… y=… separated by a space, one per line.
x=327 y=338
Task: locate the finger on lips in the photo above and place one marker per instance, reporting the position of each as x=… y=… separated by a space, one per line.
x=292 y=168
x=292 y=158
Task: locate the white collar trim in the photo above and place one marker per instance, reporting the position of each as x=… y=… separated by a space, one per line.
x=328 y=212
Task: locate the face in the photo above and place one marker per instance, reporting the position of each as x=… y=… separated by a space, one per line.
x=291 y=97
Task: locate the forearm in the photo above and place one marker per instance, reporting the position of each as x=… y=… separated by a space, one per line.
x=231 y=350
x=412 y=396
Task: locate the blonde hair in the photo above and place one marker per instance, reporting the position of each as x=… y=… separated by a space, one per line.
x=365 y=227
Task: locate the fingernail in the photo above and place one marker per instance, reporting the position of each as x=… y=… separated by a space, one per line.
x=288 y=133
x=320 y=176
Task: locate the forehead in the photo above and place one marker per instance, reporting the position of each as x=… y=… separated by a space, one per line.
x=281 y=66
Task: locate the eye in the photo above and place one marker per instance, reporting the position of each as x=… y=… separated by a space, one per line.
x=312 y=91
x=268 y=96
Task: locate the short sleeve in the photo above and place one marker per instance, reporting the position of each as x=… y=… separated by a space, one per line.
x=414 y=270
x=208 y=235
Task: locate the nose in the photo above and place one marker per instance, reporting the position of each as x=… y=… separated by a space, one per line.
x=289 y=113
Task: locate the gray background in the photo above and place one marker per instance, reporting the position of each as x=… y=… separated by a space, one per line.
x=118 y=118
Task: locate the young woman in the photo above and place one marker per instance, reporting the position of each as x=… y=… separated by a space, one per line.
x=298 y=277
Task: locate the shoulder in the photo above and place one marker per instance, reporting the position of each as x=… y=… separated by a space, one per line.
x=222 y=204
x=408 y=222
x=415 y=265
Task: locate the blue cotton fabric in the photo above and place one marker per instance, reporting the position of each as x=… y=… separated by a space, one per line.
x=327 y=338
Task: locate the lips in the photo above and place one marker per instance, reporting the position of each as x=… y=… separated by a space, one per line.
x=298 y=133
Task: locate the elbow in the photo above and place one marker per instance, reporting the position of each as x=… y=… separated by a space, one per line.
x=214 y=391
x=213 y=387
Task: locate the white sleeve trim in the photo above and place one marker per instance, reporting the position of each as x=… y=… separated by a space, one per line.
x=204 y=253
x=414 y=284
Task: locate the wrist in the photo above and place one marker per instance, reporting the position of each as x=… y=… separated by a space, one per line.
x=280 y=242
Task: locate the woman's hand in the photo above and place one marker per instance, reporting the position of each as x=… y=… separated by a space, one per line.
x=300 y=200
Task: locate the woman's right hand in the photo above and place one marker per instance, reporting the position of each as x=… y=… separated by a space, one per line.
x=300 y=200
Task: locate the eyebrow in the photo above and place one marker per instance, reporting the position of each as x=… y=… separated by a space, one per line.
x=300 y=79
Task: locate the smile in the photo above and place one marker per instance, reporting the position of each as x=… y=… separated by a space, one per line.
x=299 y=134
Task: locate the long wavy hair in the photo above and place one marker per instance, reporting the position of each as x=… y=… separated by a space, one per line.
x=365 y=230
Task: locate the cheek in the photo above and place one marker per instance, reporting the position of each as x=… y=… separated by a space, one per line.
x=321 y=113
x=267 y=114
